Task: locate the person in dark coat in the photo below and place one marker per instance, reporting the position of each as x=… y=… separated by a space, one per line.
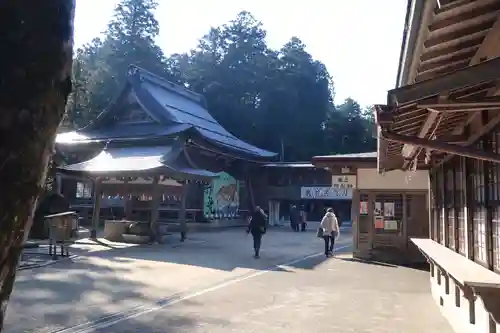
x=257 y=227
x=294 y=218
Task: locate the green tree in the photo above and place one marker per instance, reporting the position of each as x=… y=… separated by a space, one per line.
x=102 y=64
x=266 y=97
x=348 y=130
x=306 y=97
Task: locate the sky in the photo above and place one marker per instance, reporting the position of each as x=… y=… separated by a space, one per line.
x=359 y=41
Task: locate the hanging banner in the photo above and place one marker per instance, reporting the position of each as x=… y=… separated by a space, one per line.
x=389 y=209
x=363 y=208
x=325 y=193
x=221 y=197
x=344 y=181
x=379 y=222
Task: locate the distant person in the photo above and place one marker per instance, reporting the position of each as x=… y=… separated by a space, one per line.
x=294 y=218
x=330 y=228
x=257 y=227
x=303 y=220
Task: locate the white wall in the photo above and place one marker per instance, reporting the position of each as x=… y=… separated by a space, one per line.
x=458 y=316
x=370 y=179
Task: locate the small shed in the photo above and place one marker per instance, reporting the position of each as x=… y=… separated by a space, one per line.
x=387 y=209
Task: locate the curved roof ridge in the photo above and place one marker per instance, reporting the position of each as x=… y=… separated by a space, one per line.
x=146 y=75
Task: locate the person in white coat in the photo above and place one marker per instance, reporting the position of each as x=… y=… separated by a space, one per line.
x=330 y=226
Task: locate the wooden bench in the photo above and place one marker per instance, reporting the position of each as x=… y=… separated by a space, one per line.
x=473 y=279
x=63 y=229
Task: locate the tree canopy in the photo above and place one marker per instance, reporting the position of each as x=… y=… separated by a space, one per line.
x=280 y=100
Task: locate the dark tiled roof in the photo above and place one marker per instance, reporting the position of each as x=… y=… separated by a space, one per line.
x=289 y=165
x=182 y=106
x=128 y=160
x=123 y=131
x=175 y=108
x=370 y=155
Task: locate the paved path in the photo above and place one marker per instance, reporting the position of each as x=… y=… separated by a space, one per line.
x=212 y=284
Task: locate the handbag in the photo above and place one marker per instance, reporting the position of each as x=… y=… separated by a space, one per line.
x=319 y=232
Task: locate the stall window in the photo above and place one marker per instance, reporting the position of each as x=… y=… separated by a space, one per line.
x=440 y=179
x=433 y=206
x=388 y=214
x=479 y=210
x=494 y=201
x=459 y=206
x=83 y=190
x=450 y=203
x=364 y=222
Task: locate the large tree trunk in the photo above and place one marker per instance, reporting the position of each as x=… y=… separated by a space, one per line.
x=35 y=80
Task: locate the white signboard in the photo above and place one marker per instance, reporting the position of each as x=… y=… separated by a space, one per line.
x=326 y=193
x=344 y=181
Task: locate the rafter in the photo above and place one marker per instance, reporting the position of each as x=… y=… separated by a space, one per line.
x=470 y=76
x=409 y=150
x=443 y=147
x=490 y=47
x=461 y=107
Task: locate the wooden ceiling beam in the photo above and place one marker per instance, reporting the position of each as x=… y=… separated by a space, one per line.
x=454 y=8
x=443 y=69
x=460 y=105
x=443 y=147
x=458 y=34
x=470 y=11
x=470 y=76
x=490 y=47
x=450 y=49
x=408 y=150
x=476 y=37
x=460 y=55
x=411 y=152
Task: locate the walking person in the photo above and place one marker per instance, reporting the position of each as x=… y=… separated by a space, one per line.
x=257 y=227
x=303 y=220
x=330 y=228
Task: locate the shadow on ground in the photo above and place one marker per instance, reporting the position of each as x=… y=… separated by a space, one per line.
x=103 y=283
x=52 y=299
x=417 y=266
x=226 y=251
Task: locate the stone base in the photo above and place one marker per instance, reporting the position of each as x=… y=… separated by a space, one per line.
x=135 y=239
x=113 y=230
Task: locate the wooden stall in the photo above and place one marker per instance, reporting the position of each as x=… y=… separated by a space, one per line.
x=386 y=209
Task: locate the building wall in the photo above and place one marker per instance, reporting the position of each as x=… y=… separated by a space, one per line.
x=464 y=204
x=369 y=178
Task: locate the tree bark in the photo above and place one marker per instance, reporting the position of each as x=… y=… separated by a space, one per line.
x=35 y=80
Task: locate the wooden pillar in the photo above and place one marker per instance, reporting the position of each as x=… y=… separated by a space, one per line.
x=97 y=208
x=405 y=220
x=355 y=207
x=127 y=202
x=443 y=223
x=371 y=217
x=431 y=205
x=58 y=184
x=155 y=204
x=182 y=211
x=469 y=230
